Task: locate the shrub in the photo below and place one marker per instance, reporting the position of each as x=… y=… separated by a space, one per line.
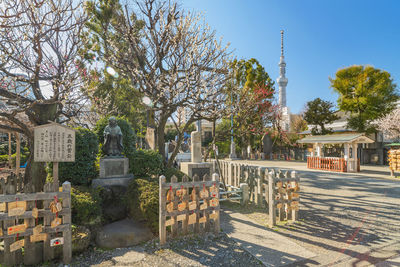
x=4 y=158
x=83 y=170
x=172 y=171
x=146 y=163
x=128 y=135
x=86 y=206
x=142 y=202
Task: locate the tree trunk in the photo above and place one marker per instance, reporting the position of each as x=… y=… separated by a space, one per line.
x=35 y=172
x=176 y=149
x=161 y=135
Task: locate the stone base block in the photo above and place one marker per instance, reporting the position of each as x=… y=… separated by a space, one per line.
x=120 y=181
x=123 y=233
x=191 y=168
x=113 y=167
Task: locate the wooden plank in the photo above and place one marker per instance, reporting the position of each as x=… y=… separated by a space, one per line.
x=162 y=226
x=33 y=196
x=29 y=231
x=28 y=214
x=186 y=184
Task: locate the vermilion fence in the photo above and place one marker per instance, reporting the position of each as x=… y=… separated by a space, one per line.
x=328 y=164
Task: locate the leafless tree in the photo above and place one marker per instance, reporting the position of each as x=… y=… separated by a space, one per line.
x=174 y=59
x=39 y=77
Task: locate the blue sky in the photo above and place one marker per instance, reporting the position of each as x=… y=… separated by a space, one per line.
x=321 y=36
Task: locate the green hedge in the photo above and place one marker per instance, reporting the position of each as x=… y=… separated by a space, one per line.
x=146 y=163
x=83 y=170
x=86 y=206
x=128 y=135
x=142 y=201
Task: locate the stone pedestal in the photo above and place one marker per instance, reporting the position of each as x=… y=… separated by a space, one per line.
x=192 y=168
x=113 y=171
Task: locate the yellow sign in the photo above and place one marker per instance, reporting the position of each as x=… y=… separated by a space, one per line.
x=16 y=229
x=17 y=245
x=214 y=202
x=37 y=229
x=3 y=206
x=38 y=237
x=182 y=206
x=16 y=212
x=181 y=217
x=170 y=207
x=17 y=204
x=192 y=205
x=35 y=213
x=56 y=222
x=192 y=218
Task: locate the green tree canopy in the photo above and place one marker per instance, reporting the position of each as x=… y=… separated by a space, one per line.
x=319 y=113
x=366 y=93
x=252 y=93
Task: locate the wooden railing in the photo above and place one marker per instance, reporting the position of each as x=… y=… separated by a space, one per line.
x=188 y=206
x=32 y=217
x=276 y=190
x=327 y=164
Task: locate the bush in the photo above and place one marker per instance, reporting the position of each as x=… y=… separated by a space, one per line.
x=172 y=171
x=142 y=202
x=4 y=159
x=83 y=170
x=86 y=206
x=146 y=163
x=128 y=135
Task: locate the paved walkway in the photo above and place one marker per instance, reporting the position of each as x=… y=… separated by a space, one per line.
x=346 y=219
x=271 y=248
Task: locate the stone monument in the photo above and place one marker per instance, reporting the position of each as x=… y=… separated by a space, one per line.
x=114 y=166
x=196 y=166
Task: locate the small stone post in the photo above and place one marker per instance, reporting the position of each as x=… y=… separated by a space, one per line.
x=245 y=193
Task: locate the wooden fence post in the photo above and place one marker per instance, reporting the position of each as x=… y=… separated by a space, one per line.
x=67 y=233
x=295 y=213
x=9 y=257
x=271 y=202
x=217 y=228
x=48 y=251
x=161 y=227
x=174 y=227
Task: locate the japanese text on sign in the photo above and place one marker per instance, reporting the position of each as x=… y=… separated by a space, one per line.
x=54 y=143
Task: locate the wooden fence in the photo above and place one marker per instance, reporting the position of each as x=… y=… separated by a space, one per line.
x=29 y=220
x=275 y=190
x=188 y=206
x=327 y=164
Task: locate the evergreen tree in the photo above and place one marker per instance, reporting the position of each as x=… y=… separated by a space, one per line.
x=366 y=93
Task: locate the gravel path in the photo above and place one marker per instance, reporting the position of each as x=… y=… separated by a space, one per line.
x=204 y=250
